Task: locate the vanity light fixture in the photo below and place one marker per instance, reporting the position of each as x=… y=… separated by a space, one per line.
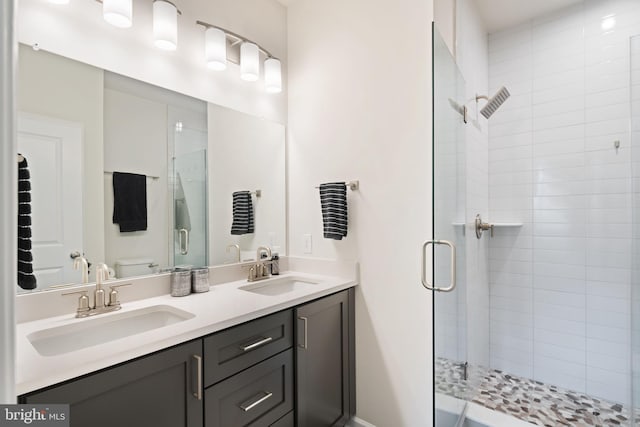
x=118 y=13
x=249 y=62
x=218 y=40
x=165 y=24
x=215 y=48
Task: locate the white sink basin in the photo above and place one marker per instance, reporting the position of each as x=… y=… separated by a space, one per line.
x=279 y=286
x=104 y=328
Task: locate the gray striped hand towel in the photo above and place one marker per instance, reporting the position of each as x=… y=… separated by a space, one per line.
x=333 y=199
x=26 y=278
x=242 y=213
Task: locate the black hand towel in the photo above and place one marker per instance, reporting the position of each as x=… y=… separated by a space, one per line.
x=26 y=278
x=242 y=213
x=130 y=201
x=333 y=199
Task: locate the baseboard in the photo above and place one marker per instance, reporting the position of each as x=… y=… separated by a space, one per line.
x=358 y=422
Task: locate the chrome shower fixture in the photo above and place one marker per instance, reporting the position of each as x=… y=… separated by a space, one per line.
x=494 y=102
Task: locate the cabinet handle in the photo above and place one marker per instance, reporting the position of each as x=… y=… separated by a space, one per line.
x=198 y=393
x=304 y=342
x=255 y=401
x=260 y=342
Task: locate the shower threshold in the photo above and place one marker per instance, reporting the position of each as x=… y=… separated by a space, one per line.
x=528 y=400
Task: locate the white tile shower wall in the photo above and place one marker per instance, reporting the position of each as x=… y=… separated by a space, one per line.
x=560 y=284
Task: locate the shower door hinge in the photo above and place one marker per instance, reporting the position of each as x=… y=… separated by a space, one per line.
x=465 y=371
x=464 y=113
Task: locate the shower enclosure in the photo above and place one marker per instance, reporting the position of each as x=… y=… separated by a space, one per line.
x=188 y=231
x=543 y=323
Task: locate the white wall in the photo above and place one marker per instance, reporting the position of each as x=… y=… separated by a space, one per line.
x=245 y=153
x=78 y=31
x=54 y=86
x=359 y=103
x=560 y=286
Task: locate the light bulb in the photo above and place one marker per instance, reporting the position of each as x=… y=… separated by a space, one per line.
x=249 y=62
x=165 y=25
x=215 y=49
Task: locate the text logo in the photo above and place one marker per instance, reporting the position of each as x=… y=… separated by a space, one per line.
x=34 y=415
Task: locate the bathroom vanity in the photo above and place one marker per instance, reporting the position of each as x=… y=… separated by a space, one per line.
x=292 y=363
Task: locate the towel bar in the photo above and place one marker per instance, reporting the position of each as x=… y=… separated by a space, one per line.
x=353 y=185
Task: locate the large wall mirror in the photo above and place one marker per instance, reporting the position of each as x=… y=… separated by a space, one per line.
x=97 y=143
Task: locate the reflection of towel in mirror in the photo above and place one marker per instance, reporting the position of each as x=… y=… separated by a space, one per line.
x=242 y=213
x=181 y=218
x=26 y=278
x=130 y=201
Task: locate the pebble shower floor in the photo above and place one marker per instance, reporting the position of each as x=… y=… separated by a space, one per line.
x=531 y=401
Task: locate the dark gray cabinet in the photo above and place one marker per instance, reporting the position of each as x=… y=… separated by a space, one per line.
x=325 y=354
x=157 y=390
x=269 y=372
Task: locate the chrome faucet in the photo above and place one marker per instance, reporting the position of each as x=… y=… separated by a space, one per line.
x=259 y=270
x=102 y=274
x=99 y=306
x=237 y=250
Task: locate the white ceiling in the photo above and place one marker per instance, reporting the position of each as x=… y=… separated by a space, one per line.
x=500 y=14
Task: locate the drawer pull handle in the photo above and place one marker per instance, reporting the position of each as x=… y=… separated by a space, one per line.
x=198 y=393
x=255 y=401
x=260 y=342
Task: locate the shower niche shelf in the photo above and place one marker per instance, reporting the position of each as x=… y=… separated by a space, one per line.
x=495 y=224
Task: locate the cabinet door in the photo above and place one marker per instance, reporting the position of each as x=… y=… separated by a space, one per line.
x=157 y=390
x=325 y=383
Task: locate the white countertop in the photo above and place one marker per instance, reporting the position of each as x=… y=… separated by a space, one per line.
x=223 y=306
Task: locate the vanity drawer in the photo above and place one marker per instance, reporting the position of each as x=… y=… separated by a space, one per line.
x=235 y=349
x=258 y=397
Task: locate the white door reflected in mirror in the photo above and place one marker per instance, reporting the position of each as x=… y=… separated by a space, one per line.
x=53 y=149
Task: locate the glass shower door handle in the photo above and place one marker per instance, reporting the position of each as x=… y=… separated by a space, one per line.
x=425 y=281
x=184 y=241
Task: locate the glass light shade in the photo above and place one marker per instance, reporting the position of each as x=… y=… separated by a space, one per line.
x=273 y=75
x=165 y=25
x=249 y=62
x=215 y=49
x=118 y=12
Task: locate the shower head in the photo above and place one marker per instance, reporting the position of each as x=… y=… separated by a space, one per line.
x=494 y=102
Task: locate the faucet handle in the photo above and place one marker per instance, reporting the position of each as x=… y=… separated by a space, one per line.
x=83 y=302
x=113 y=294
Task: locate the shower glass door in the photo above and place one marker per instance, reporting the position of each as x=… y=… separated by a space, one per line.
x=449 y=180
x=188 y=191
x=635 y=221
